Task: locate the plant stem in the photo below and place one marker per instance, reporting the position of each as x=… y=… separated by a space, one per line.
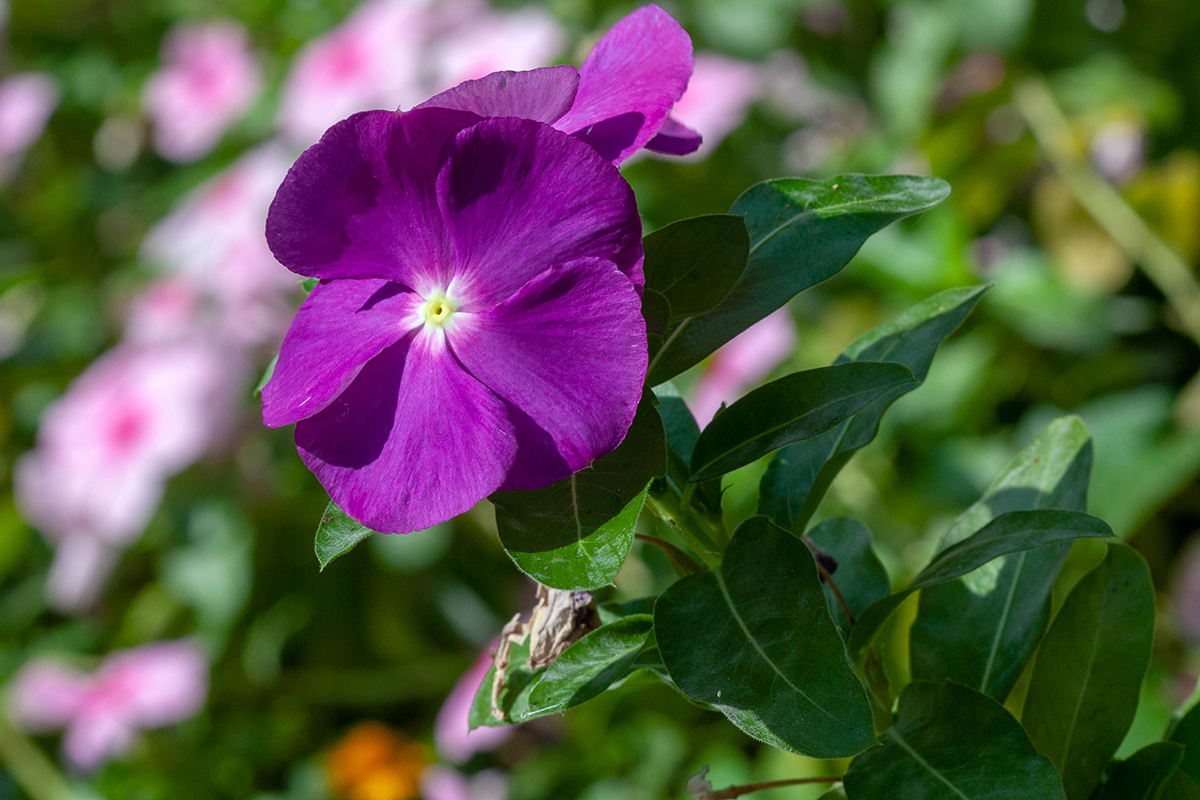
x=1165 y=268
x=684 y=564
x=29 y=766
x=667 y=507
x=827 y=576
x=737 y=791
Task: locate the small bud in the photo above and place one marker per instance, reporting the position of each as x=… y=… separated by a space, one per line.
x=698 y=786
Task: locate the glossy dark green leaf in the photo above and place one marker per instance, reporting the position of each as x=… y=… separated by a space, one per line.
x=1089 y=670
x=337 y=534
x=801 y=233
x=981 y=629
x=682 y=432
x=576 y=533
x=656 y=311
x=1144 y=774
x=860 y=575
x=753 y=638
x=800 y=474
x=794 y=407
x=591 y=665
x=1187 y=733
x=694 y=263
x=952 y=743
x=1012 y=532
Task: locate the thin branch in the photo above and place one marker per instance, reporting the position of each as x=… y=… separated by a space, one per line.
x=827 y=576
x=1165 y=268
x=685 y=562
x=737 y=791
x=29 y=767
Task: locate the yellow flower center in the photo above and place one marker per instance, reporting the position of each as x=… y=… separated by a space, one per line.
x=438 y=309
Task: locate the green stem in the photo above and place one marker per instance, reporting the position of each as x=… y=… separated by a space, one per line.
x=29 y=766
x=666 y=506
x=1162 y=265
x=681 y=561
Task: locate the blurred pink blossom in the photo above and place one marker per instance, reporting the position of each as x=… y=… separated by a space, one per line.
x=135 y=417
x=207 y=81
x=718 y=97
x=451 y=731
x=372 y=60
x=165 y=310
x=215 y=240
x=489 y=41
x=443 y=783
x=26 y=102
x=147 y=687
x=1185 y=600
x=743 y=362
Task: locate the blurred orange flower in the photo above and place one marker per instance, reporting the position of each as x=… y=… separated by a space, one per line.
x=373 y=762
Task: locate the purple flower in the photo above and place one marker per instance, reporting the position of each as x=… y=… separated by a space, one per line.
x=133 y=690
x=618 y=101
x=478 y=322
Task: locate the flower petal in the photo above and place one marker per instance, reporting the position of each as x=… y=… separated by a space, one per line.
x=543 y=94
x=360 y=203
x=520 y=197
x=339 y=327
x=413 y=441
x=629 y=82
x=569 y=351
x=675 y=139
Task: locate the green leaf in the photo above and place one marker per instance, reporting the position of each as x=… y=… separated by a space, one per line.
x=337 y=534
x=794 y=407
x=801 y=233
x=575 y=534
x=800 y=474
x=860 y=575
x=952 y=743
x=1011 y=532
x=753 y=638
x=981 y=629
x=1187 y=733
x=584 y=670
x=266 y=376
x=1089 y=670
x=694 y=263
x=1143 y=775
x=682 y=432
x=591 y=665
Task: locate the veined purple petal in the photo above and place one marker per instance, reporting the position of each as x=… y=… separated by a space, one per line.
x=520 y=197
x=675 y=139
x=569 y=352
x=629 y=82
x=340 y=326
x=413 y=441
x=360 y=203
x=543 y=94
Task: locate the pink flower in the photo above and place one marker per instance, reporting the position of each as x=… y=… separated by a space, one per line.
x=1186 y=595
x=451 y=731
x=490 y=41
x=741 y=363
x=719 y=95
x=208 y=80
x=372 y=60
x=26 y=102
x=147 y=687
x=215 y=241
x=166 y=310
x=105 y=448
x=443 y=783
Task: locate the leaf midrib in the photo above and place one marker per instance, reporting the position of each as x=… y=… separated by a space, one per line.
x=762 y=653
x=925 y=764
x=768 y=432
